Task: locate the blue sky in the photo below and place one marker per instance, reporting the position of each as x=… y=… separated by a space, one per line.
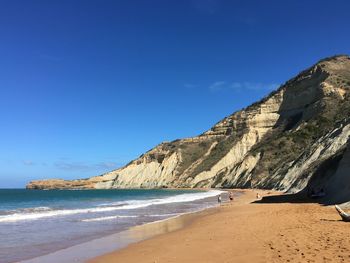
x=86 y=86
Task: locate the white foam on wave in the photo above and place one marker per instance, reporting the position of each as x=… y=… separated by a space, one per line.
x=165 y=215
x=26 y=210
x=37 y=209
x=106 y=218
x=130 y=216
x=127 y=205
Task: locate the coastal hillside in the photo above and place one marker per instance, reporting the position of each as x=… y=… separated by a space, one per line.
x=294 y=137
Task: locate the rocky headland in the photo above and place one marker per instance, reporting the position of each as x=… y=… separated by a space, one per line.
x=294 y=139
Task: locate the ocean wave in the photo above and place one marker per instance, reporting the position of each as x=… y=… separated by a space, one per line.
x=25 y=210
x=105 y=218
x=128 y=205
x=37 y=209
x=164 y=215
x=181 y=198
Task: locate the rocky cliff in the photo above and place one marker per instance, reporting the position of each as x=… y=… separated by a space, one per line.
x=297 y=135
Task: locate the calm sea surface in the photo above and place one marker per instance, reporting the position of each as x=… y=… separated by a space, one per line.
x=34 y=223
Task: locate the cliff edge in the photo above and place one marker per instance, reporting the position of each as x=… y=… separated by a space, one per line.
x=294 y=138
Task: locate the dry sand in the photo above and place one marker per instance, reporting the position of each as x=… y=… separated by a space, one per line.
x=242 y=231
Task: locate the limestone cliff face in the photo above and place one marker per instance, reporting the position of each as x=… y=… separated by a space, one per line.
x=279 y=142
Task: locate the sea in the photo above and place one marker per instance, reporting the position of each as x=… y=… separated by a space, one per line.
x=37 y=222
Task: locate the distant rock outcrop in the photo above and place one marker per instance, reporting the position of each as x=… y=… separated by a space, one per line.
x=295 y=137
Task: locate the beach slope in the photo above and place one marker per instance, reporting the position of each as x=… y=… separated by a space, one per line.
x=242 y=231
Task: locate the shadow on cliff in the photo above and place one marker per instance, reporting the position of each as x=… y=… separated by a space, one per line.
x=329 y=184
x=325 y=194
x=292 y=110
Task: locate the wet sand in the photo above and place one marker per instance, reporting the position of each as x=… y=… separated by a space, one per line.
x=242 y=231
x=84 y=251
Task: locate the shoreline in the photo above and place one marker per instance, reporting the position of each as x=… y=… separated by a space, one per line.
x=115 y=241
x=244 y=231
x=187 y=219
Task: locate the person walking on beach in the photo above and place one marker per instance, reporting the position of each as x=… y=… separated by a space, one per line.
x=231 y=196
x=219 y=198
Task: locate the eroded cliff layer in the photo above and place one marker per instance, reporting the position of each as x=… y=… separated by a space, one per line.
x=279 y=142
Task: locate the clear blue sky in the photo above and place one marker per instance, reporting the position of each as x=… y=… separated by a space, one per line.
x=86 y=86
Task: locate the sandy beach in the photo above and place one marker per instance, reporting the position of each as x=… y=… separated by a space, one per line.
x=242 y=231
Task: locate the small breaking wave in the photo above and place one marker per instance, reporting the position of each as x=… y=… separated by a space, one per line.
x=165 y=215
x=106 y=218
x=37 y=209
x=25 y=210
x=125 y=216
